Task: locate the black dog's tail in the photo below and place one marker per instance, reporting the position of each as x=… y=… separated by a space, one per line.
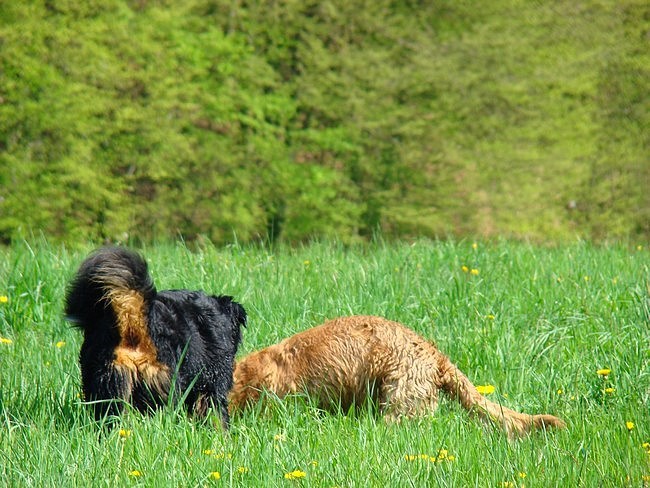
x=112 y=291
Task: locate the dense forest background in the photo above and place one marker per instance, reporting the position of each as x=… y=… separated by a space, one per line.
x=286 y=120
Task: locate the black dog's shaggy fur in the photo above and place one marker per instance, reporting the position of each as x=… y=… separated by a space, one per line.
x=140 y=345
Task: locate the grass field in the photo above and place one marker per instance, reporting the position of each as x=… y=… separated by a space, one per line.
x=536 y=323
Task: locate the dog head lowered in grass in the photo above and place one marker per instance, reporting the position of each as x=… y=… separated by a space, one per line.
x=150 y=348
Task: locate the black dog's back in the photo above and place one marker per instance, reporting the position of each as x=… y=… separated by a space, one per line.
x=137 y=340
x=202 y=333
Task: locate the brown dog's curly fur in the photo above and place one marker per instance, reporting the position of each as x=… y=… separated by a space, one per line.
x=346 y=360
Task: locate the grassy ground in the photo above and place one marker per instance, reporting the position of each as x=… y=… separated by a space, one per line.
x=537 y=323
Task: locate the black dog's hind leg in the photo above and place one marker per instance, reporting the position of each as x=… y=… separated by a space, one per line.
x=225 y=416
x=107 y=390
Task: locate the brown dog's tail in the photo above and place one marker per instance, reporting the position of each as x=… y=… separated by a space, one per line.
x=459 y=387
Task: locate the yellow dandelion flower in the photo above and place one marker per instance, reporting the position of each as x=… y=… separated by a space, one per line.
x=314 y=463
x=603 y=372
x=242 y=469
x=560 y=391
x=474 y=246
x=639 y=247
x=507 y=484
x=306 y=262
x=279 y=437
x=586 y=278
x=222 y=455
x=646 y=477
x=451 y=457
x=646 y=445
x=474 y=271
x=609 y=390
x=4 y=340
x=522 y=474
x=208 y=452
x=485 y=389
x=60 y=344
x=125 y=433
x=490 y=316
x=409 y=457
x=294 y=475
x=215 y=475
x=442 y=453
x=464 y=268
x=629 y=425
x=135 y=473
x=4 y=298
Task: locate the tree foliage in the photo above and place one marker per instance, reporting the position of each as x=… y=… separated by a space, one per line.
x=287 y=120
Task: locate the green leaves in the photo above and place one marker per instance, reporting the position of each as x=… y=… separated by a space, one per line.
x=294 y=120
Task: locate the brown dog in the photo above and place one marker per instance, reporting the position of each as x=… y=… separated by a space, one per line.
x=346 y=360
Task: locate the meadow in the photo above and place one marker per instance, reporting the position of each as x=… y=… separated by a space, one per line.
x=562 y=330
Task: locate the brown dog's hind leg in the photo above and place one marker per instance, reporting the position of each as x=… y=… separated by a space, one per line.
x=407 y=393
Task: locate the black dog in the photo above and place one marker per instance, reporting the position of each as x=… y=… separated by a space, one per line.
x=141 y=346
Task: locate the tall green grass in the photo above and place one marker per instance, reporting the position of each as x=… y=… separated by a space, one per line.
x=537 y=323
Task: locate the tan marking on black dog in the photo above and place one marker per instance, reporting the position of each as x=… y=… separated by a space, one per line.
x=136 y=352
